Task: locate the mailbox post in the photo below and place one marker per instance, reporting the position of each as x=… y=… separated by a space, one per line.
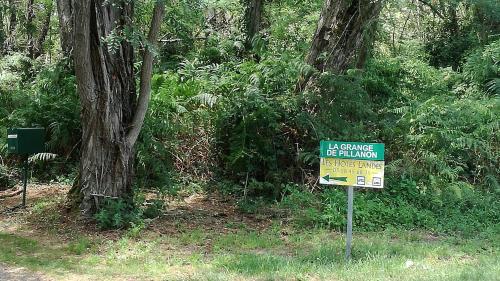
x=24 y=142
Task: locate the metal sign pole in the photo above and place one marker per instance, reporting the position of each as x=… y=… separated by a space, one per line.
x=350 y=199
x=25 y=181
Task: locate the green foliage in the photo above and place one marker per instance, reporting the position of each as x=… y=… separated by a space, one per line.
x=6 y=177
x=222 y=114
x=153 y=209
x=80 y=246
x=441 y=136
x=252 y=125
x=404 y=205
x=482 y=68
x=116 y=214
x=176 y=140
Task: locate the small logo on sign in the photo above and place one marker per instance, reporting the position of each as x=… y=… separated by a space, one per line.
x=360 y=180
x=377 y=181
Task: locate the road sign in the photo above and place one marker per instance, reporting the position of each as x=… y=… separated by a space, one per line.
x=352 y=150
x=352 y=164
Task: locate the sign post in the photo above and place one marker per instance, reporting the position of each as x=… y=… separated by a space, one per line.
x=350 y=199
x=25 y=181
x=351 y=164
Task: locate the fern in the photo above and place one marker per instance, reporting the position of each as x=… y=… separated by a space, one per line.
x=42 y=157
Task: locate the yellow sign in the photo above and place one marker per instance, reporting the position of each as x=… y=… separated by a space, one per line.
x=351 y=172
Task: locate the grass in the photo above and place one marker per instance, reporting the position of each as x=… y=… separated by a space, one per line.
x=271 y=255
x=237 y=251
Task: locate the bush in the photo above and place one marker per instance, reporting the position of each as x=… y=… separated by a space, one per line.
x=6 y=178
x=402 y=206
x=154 y=208
x=255 y=127
x=45 y=98
x=176 y=141
x=116 y=214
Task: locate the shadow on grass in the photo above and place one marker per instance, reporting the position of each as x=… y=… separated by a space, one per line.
x=28 y=253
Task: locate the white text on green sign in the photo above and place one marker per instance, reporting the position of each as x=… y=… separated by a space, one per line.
x=352 y=150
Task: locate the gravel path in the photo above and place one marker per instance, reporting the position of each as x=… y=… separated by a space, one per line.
x=17 y=274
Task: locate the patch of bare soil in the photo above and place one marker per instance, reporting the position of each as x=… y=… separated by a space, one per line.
x=209 y=212
x=47 y=214
x=19 y=274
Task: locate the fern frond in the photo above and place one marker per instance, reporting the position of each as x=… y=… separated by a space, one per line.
x=206 y=99
x=493 y=86
x=43 y=157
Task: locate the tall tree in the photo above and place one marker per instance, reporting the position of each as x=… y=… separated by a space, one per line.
x=65 y=14
x=253 y=19
x=342 y=31
x=30 y=26
x=112 y=114
x=37 y=48
x=11 y=30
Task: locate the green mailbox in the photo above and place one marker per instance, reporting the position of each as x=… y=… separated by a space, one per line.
x=25 y=140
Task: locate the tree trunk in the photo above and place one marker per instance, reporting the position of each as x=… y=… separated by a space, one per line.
x=30 y=27
x=38 y=47
x=4 y=28
x=11 y=36
x=341 y=34
x=65 y=14
x=111 y=121
x=253 y=19
x=364 y=52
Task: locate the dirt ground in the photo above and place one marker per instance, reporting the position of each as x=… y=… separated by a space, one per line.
x=47 y=217
x=9 y=273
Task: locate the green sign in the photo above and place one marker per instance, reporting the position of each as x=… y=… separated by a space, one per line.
x=25 y=140
x=352 y=150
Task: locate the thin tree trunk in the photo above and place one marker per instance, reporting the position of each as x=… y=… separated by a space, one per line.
x=253 y=19
x=38 y=47
x=366 y=47
x=30 y=28
x=106 y=85
x=3 y=29
x=66 y=23
x=11 y=37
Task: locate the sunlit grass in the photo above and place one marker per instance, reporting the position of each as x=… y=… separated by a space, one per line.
x=271 y=255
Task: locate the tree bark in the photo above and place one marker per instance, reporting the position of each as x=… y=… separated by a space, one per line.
x=341 y=33
x=146 y=72
x=253 y=19
x=66 y=23
x=111 y=120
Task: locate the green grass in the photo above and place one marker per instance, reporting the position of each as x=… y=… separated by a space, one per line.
x=271 y=255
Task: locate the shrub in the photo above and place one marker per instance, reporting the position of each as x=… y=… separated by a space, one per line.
x=254 y=127
x=6 y=177
x=116 y=214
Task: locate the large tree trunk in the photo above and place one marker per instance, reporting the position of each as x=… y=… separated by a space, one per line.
x=111 y=121
x=65 y=14
x=253 y=19
x=341 y=34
